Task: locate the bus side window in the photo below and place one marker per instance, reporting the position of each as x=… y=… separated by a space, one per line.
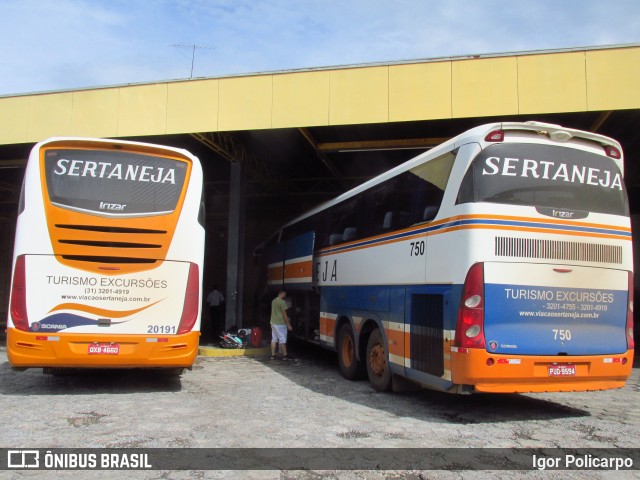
x=429 y=213
x=377 y=209
x=423 y=189
x=343 y=222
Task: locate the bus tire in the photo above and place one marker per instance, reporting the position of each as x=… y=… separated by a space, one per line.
x=170 y=372
x=350 y=366
x=377 y=365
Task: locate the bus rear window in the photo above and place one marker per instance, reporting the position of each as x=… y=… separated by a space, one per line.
x=545 y=176
x=107 y=182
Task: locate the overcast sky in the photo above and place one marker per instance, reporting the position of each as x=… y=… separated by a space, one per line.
x=66 y=44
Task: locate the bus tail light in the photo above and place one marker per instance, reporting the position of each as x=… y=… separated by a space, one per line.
x=470 y=327
x=630 y=340
x=612 y=152
x=495 y=136
x=19 y=296
x=191 y=301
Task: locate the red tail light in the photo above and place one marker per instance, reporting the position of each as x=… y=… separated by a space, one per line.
x=630 y=340
x=19 y=296
x=495 y=136
x=191 y=301
x=612 y=152
x=470 y=327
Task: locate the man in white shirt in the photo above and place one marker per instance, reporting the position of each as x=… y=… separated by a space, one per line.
x=215 y=300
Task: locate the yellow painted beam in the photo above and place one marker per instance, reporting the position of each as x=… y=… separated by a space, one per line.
x=300 y=99
x=95 y=113
x=552 y=83
x=613 y=79
x=49 y=115
x=419 y=91
x=192 y=106
x=359 y=95
x=524 y=84
x=14 y=120
x=142 y=110
x=484 y=87
x=245 y=103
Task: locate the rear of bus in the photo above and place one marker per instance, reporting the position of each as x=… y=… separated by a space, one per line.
x=108 y=257
x=545 y=238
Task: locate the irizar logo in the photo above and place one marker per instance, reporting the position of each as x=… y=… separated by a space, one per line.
x=114 y=207
x=562 y=214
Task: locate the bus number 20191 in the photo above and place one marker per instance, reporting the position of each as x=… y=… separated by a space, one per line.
x=161 y=329
x=418 y=248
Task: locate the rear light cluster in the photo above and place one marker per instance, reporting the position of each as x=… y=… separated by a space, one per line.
x=495 y=136
x=470 y=327
x=630 y=340
x=191 y=301
x=612 y=152
x=560 y=136
x=19 y=296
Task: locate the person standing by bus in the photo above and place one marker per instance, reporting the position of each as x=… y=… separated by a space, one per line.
x=215 y=300
x=279 y=325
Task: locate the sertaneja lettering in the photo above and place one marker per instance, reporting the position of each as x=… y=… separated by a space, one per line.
x=116 y=171
x=554 y=171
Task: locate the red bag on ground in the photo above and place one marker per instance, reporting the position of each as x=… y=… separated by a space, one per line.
x=256 y=337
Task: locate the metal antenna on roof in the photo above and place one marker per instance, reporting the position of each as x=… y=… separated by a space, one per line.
x=193 y=52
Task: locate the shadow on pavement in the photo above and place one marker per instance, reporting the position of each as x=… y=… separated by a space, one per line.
x=83 y=382
x=317 y=370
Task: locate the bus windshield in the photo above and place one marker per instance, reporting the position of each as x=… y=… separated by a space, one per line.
x=98 y=180
x=545 y=176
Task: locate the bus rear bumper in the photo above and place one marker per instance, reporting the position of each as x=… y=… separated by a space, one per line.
x=74 y=350
x=488 y=372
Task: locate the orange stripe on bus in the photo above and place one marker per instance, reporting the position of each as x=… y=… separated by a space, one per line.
x=100 y=311
x=453 y=228
x=275 y=273
x=298 y=270
x=396 y=341
x=327 y=326
x=536 y=220
x=534 y=230
x=447 y=354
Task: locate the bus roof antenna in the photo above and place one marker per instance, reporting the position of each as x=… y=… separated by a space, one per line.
x=193 y=52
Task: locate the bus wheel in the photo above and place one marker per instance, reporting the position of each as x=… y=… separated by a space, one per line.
x=350 y=367
x=169 y=372
x=377 y=365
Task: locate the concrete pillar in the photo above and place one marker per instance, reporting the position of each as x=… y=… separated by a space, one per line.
x=235 y=248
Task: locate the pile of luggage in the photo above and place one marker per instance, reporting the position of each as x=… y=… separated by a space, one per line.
x=242 y=338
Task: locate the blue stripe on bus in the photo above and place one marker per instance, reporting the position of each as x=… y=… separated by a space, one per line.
x=467 y=222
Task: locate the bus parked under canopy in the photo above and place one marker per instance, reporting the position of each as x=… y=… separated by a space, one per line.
x=107 y=265
x=499 y=261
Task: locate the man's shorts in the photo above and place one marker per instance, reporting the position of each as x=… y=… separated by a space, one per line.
x=279 y=334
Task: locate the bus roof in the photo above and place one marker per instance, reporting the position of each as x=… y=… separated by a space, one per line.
x=476 y=134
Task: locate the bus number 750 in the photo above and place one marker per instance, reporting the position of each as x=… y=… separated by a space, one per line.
x=561 y=335
x=417 y=248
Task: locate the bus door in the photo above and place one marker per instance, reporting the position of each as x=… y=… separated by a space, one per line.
x=289 y=264
x=290 y=267
x=298 y=262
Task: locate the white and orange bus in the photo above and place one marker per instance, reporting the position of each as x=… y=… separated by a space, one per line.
x=107 y=263
x=499 y=261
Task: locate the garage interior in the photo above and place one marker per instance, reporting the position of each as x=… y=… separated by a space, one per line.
x=285 y=171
